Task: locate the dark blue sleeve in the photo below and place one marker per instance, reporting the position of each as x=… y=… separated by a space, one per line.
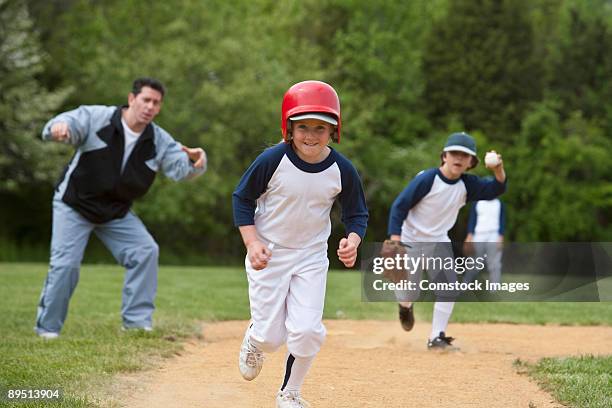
x=472 y=219
x=502 y=218
x=481 y=188
x=254 y=183
x=352 y=199
x=412 y=194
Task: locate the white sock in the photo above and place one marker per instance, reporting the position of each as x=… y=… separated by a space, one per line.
x=441 y=314
x=295 y=372
x=405 y=304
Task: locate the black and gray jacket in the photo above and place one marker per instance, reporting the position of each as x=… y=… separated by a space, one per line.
x=93 y=183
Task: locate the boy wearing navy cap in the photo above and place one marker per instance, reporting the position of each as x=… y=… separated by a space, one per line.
x=427 y=209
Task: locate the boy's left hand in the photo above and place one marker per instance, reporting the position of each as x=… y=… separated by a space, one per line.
x=347 y=249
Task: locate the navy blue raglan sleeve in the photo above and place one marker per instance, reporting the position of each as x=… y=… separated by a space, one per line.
x=412 y=194
x=472 y=219
x=481 y=188
x=352 y=199
x=502 y=218
x=253 y=184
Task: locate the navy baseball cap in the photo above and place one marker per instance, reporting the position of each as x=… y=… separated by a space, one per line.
x=462 y=142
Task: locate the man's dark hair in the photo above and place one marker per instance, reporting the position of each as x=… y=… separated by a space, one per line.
x=150 y=82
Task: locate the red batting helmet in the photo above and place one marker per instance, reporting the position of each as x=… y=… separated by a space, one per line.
x=310 y=97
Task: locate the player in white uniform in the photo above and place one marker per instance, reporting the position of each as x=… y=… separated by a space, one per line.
x=282 y=206
x=486 y=228
x=427 y=209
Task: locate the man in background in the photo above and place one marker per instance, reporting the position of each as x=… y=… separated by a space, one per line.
x=118 y=152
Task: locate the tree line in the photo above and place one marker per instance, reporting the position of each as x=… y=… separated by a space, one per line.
x=530 y=79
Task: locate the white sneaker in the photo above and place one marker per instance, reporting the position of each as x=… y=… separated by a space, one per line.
x=145 y=328
x=47 y=335
x=250 y=360
x=290 y=399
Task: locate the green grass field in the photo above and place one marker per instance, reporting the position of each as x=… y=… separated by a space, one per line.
x=583 y=381
x=93 y=348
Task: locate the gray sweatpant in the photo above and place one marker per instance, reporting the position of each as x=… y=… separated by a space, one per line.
x=131 y=245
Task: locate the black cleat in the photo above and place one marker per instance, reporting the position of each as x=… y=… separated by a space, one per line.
x=406 y=316
x=442 y=343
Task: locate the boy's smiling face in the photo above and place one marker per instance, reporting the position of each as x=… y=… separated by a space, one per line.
x=310 y=139
x=455 y=164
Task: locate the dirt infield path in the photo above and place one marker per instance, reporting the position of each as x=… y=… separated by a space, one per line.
x=369 y=364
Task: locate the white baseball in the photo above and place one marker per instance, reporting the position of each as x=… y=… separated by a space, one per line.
x=491 y=159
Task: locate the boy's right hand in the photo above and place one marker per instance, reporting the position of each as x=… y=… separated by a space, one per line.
x=259 y=255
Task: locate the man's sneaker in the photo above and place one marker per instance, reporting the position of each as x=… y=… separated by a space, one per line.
x=145 y=328
x=250 y=360
x=290 y=399
x=47 y=335
x=442 y=342
x=406 y=316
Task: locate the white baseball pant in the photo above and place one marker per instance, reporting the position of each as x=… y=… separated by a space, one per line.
x=287 y=299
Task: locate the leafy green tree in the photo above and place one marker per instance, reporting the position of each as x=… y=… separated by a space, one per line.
x=408 y=74
x=27 y=166
x=582 y=78
x=479 y=64
x=24 y=103
x=560 y=184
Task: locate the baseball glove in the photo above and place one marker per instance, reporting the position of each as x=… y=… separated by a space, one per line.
x=391 y=249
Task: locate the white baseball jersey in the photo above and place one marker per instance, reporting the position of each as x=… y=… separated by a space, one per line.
x=289 y=200
x=427 y=208
x=487 y=217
